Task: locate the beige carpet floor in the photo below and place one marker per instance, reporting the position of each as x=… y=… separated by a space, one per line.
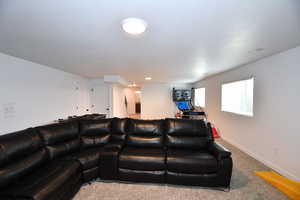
x=244 y=186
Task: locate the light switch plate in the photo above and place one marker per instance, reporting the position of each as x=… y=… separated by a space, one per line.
x=9 y=110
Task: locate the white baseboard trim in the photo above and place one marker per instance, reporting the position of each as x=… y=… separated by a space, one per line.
x=262 y=160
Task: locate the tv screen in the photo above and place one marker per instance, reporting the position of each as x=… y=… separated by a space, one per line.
x=182 y=95
x=183 y=105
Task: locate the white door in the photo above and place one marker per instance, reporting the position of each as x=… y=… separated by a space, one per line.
x=100 y=99
x=81 y=99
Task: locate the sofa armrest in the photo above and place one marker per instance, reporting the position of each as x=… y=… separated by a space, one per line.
x=109 y=160
x=219 y=151
x=114 y=145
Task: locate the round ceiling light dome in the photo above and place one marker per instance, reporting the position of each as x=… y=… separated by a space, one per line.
x=134 y=26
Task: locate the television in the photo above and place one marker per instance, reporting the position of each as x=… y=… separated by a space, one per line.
x=183 y=105
x=182 y=95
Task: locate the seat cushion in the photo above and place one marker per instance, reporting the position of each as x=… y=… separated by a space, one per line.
x=142 y=158
x=191 y=161
x=45 y=182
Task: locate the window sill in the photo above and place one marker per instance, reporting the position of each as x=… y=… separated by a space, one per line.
x=239 y=113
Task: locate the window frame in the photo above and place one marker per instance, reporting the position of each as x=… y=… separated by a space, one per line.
x=247 y=114
x=204 y=97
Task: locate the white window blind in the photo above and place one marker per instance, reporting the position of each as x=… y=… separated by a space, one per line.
x=200 y=97
x=237 y=97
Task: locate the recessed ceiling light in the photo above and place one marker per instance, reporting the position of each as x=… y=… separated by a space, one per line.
x=134 y=26
x=148 y=78
x=138 y=92
x=132 y=85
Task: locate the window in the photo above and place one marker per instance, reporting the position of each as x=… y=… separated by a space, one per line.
x=200 y=97
x=237 y=97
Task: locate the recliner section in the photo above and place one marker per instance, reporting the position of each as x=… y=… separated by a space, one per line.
x=143 y=158
x=53 y=161
x=28 y=167
x=193 y=158
x=20 y=153
x=46 y=182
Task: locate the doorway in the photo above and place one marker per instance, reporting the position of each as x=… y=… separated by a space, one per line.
x=134 y=103
x=100 y=99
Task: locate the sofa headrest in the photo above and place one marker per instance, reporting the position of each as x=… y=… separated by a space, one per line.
x=18 y=144
x=60 y=132
x=146 y=127
x=186 y=127
x=95 y=127
x=145 y=133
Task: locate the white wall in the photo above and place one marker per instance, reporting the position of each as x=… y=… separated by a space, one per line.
x=111 y=95
x=273 y=134
x=156 y=100
x=119 y=109
x=32 y=94
x=100 y=95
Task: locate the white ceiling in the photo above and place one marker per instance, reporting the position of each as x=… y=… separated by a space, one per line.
x=186 y=40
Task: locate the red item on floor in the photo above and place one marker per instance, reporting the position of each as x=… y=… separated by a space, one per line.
x=215 y=132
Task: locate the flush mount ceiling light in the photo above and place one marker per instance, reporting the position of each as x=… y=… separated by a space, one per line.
x=134 y=26
x=148 y=78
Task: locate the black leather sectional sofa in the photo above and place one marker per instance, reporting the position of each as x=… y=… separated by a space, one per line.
x=51 y=162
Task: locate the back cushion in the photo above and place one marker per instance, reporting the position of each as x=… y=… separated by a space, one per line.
x=60 y=139
x=145 y=133
x=20 y=153
x=186 y=133
x=119 y=129
x=95 y=133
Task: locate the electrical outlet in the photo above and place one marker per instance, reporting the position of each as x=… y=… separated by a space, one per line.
x=275 y=152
